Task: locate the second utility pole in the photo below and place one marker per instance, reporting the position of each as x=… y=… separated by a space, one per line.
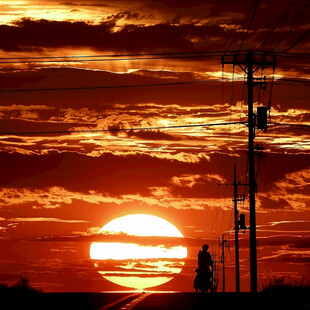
x=238 y=225
x=236 y=231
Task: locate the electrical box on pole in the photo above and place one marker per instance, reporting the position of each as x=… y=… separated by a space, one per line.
x=262 y=118
x=242 y=221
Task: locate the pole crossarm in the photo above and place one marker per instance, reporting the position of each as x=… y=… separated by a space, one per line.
x=262 y=59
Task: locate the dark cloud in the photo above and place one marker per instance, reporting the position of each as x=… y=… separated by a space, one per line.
x=30 y=34
x=127 y=15
x=153 y=135
x=167 y=242
x=289 y=241
x=15 y=126
x=131 y=174
x=185 y=26
x=276 y=166
x=27 y=34
x=192 y=94
x=108 y=173
x=286 y=258
x=81 y=4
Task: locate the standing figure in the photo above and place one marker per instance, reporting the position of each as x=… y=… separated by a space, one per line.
x=203 y=279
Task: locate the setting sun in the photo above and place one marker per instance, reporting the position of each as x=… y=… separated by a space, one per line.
x=157 y=263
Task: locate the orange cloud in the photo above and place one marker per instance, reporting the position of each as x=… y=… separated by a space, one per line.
x=44 y=219
x=289 y=193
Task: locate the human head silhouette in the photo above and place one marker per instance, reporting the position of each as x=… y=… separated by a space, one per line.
x=205 y=247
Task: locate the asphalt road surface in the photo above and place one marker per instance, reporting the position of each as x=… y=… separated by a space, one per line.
x=189 y=301
x=154 y=301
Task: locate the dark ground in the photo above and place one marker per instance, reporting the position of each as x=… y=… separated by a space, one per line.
x=160 y=301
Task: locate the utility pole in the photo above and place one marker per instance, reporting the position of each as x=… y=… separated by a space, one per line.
x=250 y=63
x=236 y=218
x=236 y=231
x=214 y=274
x=239 y=224
x=223 y=245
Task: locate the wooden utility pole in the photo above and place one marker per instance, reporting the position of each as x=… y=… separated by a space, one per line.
x=223 y=245
x=237 y=198
x=236 y=217
x=250 y=62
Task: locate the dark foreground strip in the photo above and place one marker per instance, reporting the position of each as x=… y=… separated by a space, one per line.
x=123 y=300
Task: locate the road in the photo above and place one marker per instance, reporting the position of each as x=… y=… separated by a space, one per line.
x=193 y=301
x=154 y=301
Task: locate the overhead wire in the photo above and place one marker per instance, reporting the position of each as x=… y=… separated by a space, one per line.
x=286 y=10
x=291 y=125
x=189 y=54
x=243 y=24
x=116 y=129
x=142 y=85
x=295 y=81
x=293 y=25
x=250 y=25
x=158 y=56
x=106 y=59
x=110 y=55
x=102 y=87
x=298 y=40
x=293 y=55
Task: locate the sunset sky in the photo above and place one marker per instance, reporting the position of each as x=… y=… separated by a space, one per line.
x=59 y=188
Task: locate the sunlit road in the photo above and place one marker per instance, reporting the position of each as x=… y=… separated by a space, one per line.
x=181 y=301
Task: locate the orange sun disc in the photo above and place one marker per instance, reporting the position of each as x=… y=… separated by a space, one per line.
x=138 y=266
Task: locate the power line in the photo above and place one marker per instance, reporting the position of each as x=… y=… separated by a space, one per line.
x=102 y=87
x=115 y=129
x=102 y=58
x=292 y=26
x=294 y=55
x=291 y=125
x=298 y=40
x=295 y=81
x=250 y=25
x=235 y=36
x=112 y=55
x=109 y=59
x=132 y=86
x=277 y=23
x=141 y=128
x=211 y=53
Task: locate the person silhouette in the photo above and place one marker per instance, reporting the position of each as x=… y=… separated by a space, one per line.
x=203 y=279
